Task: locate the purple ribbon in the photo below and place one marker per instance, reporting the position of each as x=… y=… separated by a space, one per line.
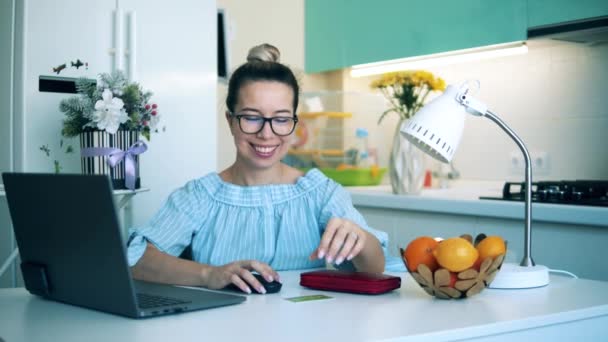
x=116 y=155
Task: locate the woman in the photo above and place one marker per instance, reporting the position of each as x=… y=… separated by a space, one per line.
x=259 y=214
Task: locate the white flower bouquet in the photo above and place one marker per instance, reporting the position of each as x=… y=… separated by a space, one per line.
x=110 y=104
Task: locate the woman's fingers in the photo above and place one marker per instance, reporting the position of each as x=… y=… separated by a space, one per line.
x=347 y=248
x=239 y=274
x=236 y=280
x=342 y=240
x=265 y=270
x=249 y=278
x=337 y=244
x=357 y=248
x=328 y=237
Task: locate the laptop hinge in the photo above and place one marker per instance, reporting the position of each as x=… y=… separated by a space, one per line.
x=35 y=278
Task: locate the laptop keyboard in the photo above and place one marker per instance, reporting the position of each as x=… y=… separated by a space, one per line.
x=146 y=301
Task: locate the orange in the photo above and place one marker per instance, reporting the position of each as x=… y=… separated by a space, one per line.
x=420 y=251
x=455 y=254
x=491 y=247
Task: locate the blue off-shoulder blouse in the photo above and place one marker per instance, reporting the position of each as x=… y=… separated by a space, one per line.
x=279 y=224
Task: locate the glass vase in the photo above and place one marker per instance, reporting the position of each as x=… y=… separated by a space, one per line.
x=405 y=165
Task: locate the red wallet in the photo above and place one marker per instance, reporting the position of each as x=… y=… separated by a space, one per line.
x=353 y=282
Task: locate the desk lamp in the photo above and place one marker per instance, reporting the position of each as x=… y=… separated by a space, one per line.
x=437 y=129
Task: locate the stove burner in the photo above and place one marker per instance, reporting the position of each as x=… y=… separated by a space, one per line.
x=578 y=192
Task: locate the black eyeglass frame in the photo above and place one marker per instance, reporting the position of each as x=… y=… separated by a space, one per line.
x=264 y=121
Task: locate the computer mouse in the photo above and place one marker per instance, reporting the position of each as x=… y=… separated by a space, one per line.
x=270 y=286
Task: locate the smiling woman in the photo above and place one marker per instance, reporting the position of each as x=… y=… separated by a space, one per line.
x=261 y=146
x=259 y=214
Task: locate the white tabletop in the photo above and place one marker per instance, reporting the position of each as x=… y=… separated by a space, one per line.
x=567 y=308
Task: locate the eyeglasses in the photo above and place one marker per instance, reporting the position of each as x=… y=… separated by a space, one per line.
x=253 y=124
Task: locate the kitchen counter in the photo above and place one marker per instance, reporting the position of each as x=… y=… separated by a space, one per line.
x=462 y=198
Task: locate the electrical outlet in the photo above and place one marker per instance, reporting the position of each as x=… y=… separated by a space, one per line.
x=517 y=163
x=540 y=163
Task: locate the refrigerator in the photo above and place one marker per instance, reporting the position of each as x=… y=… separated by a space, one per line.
x=169 y=47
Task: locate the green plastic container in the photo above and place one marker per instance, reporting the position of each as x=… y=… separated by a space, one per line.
x=355 y=177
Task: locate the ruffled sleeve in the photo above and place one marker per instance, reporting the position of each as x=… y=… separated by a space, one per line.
x=172 y=227
x=339 y=204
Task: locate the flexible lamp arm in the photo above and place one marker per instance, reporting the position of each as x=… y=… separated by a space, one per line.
x=479 y=109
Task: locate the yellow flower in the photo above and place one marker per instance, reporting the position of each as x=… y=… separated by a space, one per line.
x=407 y=90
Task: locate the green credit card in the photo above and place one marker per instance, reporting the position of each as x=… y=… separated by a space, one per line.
x=308 y=298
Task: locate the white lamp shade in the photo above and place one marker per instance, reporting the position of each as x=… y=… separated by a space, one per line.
x=437 y=127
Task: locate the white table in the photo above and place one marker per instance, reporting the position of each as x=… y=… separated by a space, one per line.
x=124 y=196
x=566 y=310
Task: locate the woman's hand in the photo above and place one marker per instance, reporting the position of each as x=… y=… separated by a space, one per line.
x=342 y=240
x=239 y=274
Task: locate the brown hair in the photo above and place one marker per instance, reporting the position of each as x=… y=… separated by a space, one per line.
x=262 y=65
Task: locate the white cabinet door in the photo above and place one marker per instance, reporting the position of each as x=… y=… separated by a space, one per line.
x=176 y=49
x=46 y=35
x=50 y=34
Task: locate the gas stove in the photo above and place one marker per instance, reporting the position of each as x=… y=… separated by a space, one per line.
x=577 y=192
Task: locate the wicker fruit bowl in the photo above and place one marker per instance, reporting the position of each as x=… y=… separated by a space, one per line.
x=445 y=284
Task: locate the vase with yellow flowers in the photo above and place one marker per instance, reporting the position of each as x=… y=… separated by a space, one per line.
x=406 y=92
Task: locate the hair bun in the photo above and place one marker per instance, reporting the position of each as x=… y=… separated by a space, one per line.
x=264 y=53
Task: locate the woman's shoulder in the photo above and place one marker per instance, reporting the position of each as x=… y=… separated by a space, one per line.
x=208 y=183
x=316 y=183
x=198 y=187
x=313 y=178
x=296 y=184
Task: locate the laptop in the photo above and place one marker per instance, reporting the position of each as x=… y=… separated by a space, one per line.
x=72 y=250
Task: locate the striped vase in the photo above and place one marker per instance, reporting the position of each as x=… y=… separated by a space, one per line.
x=123 y=139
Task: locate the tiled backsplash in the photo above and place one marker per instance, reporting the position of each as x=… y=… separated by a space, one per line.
x=555 y=98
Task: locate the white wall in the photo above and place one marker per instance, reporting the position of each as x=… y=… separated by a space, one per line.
x=554 y=98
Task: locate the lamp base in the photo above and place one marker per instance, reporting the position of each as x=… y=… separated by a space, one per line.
x=513 y=276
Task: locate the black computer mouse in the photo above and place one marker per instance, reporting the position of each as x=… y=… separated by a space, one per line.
x=271 y=287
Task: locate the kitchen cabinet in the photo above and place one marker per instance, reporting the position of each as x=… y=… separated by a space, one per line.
x=564 y=237
x=552 y=12
x=343 y=33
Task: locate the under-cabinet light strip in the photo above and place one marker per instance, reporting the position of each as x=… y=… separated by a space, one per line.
x=439 y=59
